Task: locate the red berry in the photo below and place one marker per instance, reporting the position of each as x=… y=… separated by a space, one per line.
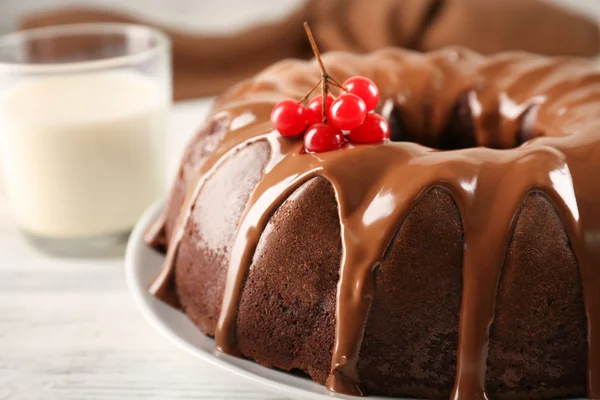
x=322 y=137
x=374 y=129
x=348 y=111
x=314 y=107
x=365 y=89
x=289 y=118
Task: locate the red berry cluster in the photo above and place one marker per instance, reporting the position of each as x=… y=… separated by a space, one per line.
x=324 y=117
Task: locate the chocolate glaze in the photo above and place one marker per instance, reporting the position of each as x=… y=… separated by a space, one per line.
x=376 y=186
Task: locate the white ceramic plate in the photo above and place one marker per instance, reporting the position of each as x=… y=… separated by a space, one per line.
x=142 y=264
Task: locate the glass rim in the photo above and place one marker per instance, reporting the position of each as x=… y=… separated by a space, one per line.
x=15 y=38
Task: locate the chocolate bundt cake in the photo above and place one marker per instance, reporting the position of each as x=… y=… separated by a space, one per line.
x=459 y=260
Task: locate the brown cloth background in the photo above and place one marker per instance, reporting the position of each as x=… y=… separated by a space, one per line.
x=206 y=65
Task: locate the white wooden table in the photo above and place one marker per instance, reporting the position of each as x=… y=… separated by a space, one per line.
x=69 y=329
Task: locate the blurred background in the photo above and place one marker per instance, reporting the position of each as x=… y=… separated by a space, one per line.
x=201 y=16
x=211 y=38
x=195 y=16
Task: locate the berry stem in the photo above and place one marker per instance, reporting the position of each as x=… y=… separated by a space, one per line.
x=336 y=84
x=307 y=95
x=324 y=100
x=324 y=75
x=315 y=50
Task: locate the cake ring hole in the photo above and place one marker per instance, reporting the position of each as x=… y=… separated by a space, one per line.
x=460 y=133
x=391 y=113
x=528 y=129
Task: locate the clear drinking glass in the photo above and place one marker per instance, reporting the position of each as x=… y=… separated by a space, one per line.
x=83 y=112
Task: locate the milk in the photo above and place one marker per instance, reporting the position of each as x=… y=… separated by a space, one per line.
x=82 y=155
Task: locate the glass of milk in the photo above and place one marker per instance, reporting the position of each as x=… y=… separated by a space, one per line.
x=83 y=112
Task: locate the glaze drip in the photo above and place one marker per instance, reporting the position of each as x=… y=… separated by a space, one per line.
x=376 y=186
